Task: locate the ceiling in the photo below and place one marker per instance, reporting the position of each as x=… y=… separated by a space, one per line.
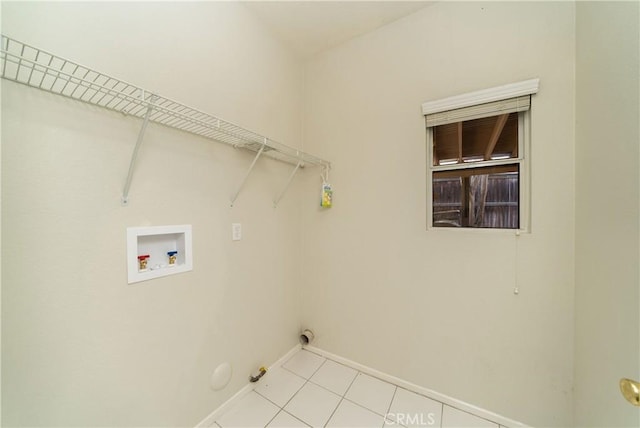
x=309 y=27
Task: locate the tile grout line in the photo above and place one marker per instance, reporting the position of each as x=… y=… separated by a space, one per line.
x=351 y=384
x=384 y=418
x=280 y=409
x=342 y=397
x=395 y=388
x=306 y=381
x=319 y=367
x=296 y=418
x=283 y=410
x=334 y=412
x=289 y=400
x=294 y=394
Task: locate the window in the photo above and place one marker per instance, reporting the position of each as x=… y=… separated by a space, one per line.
x=478 y=158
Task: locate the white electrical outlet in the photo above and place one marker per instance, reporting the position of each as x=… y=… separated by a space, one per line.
x=236 y=231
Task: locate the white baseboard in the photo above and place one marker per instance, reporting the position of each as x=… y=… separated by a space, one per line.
x=211 y=418
x=460 y=405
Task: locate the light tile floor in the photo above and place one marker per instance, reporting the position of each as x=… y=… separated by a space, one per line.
x=312 y=391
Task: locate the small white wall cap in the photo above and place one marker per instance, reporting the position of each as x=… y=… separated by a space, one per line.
x=499 y=93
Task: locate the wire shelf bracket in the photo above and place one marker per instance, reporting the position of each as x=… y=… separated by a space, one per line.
x=246 y=175
x=287 y=184
x=34 y=67
x=134 y=155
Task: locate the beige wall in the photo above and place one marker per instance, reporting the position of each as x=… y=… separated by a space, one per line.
x=607 y=199
x=437 y=308
x=80 y=345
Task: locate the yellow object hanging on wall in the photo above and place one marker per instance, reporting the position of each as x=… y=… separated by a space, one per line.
x=327 y=195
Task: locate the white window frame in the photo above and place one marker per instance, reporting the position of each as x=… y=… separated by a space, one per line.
x=513 y=90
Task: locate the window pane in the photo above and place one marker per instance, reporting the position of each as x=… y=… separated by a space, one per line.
x=447 y=201
x=494 y=137
x=486 y=197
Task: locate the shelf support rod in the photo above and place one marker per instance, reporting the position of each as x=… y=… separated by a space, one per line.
x=134 y=155
x=286 y=186
x=246 y=175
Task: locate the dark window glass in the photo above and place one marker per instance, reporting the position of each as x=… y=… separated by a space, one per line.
x=483 y=197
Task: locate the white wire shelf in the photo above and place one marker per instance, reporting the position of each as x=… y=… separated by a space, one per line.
x=37 y=68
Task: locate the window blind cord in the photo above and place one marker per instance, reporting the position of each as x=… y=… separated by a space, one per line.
x=516 y=287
